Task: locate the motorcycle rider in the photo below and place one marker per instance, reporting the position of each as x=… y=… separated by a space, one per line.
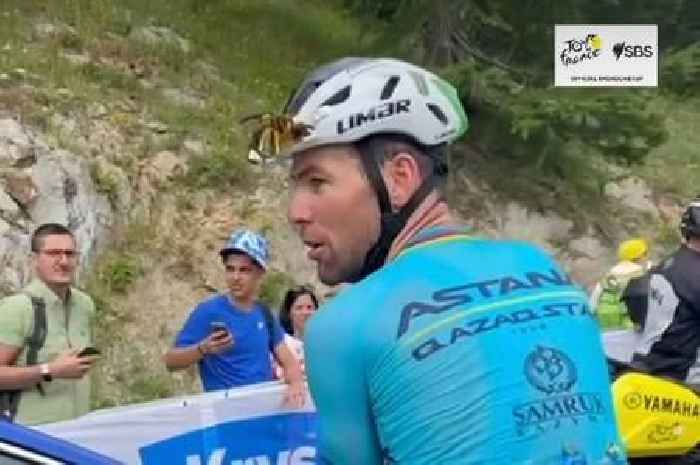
x=670 y=342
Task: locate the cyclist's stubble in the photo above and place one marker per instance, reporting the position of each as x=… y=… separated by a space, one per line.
x=334 y=210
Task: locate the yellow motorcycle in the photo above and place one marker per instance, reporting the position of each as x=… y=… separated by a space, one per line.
x=659 y=419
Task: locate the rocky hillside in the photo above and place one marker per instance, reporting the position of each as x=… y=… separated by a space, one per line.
x=118 y=119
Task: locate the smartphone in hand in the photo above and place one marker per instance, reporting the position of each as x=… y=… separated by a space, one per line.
x=219 y=328
x=88 y=351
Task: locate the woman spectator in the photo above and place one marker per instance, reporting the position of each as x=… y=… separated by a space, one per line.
x=298 y=306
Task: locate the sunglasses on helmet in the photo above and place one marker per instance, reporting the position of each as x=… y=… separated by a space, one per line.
x=273 y=135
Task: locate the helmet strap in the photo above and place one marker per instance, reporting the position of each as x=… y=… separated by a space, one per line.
x=391 y=223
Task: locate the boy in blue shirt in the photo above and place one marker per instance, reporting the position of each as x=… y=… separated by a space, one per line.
x=231 y=335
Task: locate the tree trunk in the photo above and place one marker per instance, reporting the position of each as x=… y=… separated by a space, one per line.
x=440 y=25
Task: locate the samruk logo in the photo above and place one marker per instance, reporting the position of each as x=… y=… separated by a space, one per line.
x=549 y=370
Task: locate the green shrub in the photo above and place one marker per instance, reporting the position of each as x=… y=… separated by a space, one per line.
x=145 y=382
x=218 y=170
x=274 y=287
x=120 y=272
x=681 y=71
x=105 y=183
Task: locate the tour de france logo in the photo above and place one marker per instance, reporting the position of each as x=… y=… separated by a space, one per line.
x=550 y=370
x=578 y=50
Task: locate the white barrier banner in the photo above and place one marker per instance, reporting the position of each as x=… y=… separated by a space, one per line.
x=245 y=426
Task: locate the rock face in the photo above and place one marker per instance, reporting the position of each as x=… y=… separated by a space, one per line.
x=39 y=185
x=633 y=193
x=586 y=254
x=518 y=222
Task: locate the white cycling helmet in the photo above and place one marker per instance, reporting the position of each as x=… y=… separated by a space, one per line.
x=352 y=98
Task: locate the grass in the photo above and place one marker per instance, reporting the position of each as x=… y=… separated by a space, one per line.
x=260 y=49
x=117 y=268
x=105 y=183
x=140 y=381
x=674 y=167
x=122 y=376
x=276 y=40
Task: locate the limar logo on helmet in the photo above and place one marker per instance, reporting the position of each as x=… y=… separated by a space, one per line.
x=375 y=113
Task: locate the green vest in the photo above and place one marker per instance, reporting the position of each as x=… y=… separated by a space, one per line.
x=611 y=311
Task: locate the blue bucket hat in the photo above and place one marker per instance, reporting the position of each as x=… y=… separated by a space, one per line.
x=250 y=243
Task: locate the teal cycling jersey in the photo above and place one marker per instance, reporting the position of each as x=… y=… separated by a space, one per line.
x=462 y=351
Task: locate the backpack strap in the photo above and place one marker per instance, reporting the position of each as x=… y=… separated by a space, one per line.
x=35 y=341
x=9 y=399
x=269 y=322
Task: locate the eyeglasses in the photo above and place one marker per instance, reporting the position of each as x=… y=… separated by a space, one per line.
x=273 y=134
x=58 y=253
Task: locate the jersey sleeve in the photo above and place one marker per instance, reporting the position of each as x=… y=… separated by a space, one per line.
x=16 y=317
x=347 y=435
x=194 y=330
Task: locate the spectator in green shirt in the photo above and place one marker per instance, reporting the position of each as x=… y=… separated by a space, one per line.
x=56 y=387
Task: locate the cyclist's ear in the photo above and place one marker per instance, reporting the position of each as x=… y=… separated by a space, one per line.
x=402 y=176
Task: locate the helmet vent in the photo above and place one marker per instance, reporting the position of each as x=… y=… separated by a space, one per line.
x=435 y=110
x=419 y=80
x=389 y=87
x=337 y=98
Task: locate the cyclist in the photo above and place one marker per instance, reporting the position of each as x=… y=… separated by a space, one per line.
x=671 y=340
x=447 y=349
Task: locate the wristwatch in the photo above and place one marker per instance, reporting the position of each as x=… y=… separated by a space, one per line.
x=45 y=372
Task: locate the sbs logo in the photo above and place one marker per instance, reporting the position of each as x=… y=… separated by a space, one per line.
x=623 y=49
